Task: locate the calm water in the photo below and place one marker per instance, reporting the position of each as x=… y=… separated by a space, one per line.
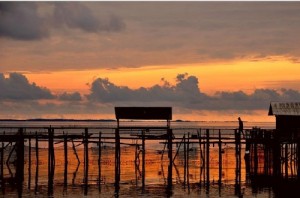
x=192 y=124
x=131 y=186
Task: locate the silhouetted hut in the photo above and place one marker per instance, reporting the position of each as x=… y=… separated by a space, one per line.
x=144 y=113
x=287 y=119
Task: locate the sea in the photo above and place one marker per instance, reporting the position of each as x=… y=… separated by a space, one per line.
x=69 y=180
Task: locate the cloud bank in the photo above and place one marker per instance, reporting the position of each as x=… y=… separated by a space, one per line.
x=17 y=87
x=22 y=20
x=77 y=35
x=19 y=97
x=186 y=94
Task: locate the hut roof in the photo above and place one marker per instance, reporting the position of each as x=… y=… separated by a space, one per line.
x=284 y=108
x=144 y=113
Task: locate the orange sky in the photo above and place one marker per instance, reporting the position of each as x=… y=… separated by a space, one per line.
x=241 y=55
x=213 y=77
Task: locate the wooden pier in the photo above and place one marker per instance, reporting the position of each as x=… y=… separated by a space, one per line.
x=263 y=154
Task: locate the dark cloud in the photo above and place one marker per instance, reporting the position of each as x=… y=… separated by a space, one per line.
x=18 y=97
x=172 y=32
x=186 y=94
x=17 y=87
x=70 y=96
x=103 y=90
x=77 y=15
x=20 y=20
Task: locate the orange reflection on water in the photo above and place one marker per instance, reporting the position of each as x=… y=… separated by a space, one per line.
x=131 y=170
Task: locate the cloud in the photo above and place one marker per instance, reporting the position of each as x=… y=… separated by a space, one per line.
x=70 y=96
x=17 y=87
x=23 y=21
x=21 y=99
x=77 y=15
x=20 y=20
x=103 y=90
x=172 y=32
x=186 y=94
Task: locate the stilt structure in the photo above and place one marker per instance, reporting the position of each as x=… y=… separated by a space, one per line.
x=143 y=113
x=268 y=153
x=286 y=135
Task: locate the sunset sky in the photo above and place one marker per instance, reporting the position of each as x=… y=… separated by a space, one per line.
x=208 y=60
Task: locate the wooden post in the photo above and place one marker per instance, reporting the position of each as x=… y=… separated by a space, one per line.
x=86 y=161
x=201 y=157
x=286 y=161
x=29 y=162
x=143 y=159
x=184 y=163
x=117 y=161
x=204 y=161
x=247 y=154
x=298 y=158
x=75 y=173
x=187 y=161
x=220 y=159
x=276 y=156
x=50 y=160
x=207 y=157
x=178 y=148
x=99 y=161
x=66 y=160
x=238 y=162
x=255 y=153
x=292 y=159
x=170 y=133
x=296 y=162
x=135 y=163
x=20 y=156
x=37 y=162
x=20 y=162
x=267 y=154
x=75 y=152
x=8 y=159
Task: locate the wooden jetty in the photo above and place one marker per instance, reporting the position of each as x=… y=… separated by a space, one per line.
x=265 y=153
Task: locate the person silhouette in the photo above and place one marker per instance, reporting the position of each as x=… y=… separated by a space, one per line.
x=241 y=126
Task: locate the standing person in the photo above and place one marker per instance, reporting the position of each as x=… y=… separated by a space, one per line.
x=241 y=126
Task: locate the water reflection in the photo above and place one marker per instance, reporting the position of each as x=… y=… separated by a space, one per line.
x=70 y=181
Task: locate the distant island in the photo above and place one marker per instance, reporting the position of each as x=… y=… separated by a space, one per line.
x=60 y=120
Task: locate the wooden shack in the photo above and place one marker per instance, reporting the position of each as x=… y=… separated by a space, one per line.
x=144 y=113
x=287 y=119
